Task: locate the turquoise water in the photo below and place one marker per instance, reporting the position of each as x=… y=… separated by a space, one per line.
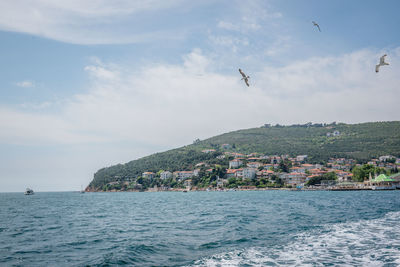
x=255 y=228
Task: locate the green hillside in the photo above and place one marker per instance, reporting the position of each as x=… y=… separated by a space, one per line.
x=359 y=141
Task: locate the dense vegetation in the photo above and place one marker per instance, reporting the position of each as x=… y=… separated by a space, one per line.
x=359 y=141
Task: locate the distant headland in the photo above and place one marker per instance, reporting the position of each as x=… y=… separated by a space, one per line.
x=333 y=156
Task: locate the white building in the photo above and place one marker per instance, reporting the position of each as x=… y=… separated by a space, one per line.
x=301 y=158
x=249 y=173
x=239 y=173
x=183 y=174
x=165 y=175
x=236 y=163
x=254 y=165
x=385 y=158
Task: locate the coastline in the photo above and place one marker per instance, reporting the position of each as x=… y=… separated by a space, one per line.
x=243 y=189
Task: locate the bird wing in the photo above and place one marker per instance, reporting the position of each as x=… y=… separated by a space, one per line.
x=377 y=68
x=316 y=25
x=247 y=82
x=241 y=72
x=382 y=60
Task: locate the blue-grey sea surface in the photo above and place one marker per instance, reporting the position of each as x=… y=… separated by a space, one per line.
x=239 y=228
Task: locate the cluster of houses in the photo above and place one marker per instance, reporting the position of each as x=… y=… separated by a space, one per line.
x=254 y=166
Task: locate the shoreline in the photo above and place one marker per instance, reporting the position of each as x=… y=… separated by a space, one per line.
x=245 y=189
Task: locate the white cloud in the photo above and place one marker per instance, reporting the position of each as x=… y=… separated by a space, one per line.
x=170 y=105
x=252 y=17
x=128 y=113
x=227 y=26
x=25 y=84
x=82 y=22
x=278 y=46
x=36 y=106
x=231 y=42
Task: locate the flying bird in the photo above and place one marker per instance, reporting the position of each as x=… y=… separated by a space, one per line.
x=245 y=78
x=316 y=25
x=381 y=63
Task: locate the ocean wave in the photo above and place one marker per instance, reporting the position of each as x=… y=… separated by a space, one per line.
x=362 y=243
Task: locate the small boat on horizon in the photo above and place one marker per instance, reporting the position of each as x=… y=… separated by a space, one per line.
x=29 y=191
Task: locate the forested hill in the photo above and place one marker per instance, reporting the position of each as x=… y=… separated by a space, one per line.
x=359 y=141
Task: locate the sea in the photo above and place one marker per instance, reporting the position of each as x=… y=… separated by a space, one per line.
x=236 y=228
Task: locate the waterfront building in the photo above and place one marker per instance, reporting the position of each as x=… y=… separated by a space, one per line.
x=382 y=182
x=295 y=178
x=187 y=183
x=165 y=175
x=249 y=173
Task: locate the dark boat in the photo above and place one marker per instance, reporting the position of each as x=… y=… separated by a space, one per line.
x=29 y=191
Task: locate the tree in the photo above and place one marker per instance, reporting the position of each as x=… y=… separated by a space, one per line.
x=317 y=179
x=361 y=173
x=284 y=166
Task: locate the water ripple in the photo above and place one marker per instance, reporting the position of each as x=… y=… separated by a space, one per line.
x=205 y=228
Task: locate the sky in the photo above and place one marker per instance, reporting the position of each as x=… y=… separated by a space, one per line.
x=89 y=84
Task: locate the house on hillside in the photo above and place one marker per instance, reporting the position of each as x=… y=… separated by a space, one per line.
x=308 y=166
x=264 y=174
x=298 y=169
x=301 y=158
x=239 y=173
x=385 y=158
x=249 y=173
x=181 y=175
x=231 y=173
x=200 y=164
x=295 y=178
x=254 y=165
x=165 y=175
x=149 y=175
x=268 y=166
x=236 y=163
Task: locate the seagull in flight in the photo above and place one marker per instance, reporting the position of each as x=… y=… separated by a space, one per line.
x=316 y=25
x=381 y=63
x=245 y=78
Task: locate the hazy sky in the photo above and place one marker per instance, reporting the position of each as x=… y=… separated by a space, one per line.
x=88 y=84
